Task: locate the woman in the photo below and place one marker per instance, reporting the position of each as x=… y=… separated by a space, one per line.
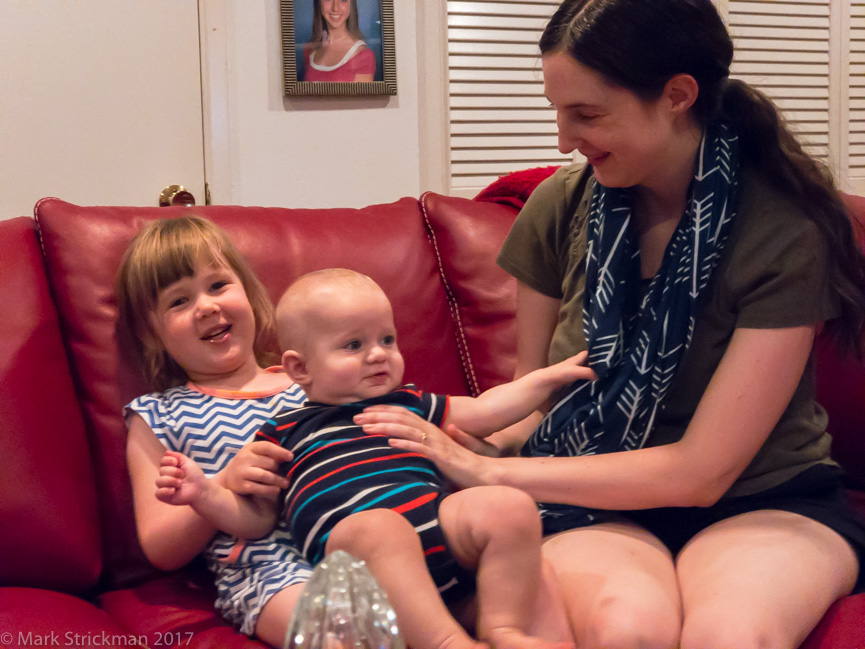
x=688 y=494
x=337 y=51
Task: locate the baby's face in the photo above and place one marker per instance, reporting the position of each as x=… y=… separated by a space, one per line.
x=352 y=352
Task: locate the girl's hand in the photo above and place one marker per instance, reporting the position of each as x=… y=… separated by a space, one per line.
x=411 y=433
x=253 y=471
x=180 y=481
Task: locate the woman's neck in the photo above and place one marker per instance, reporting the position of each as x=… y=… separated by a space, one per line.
x=660 y=203
x=665 y=195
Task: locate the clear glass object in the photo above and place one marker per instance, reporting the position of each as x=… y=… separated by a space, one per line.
x=343 y=607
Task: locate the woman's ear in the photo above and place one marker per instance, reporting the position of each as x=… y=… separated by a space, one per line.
x=681 y=91
x=294 y=365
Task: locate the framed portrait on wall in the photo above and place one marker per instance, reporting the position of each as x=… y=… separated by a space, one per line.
x=338 y=47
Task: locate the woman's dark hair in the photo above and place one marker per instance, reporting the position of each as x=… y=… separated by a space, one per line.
x=640 y=44
x=319 y=25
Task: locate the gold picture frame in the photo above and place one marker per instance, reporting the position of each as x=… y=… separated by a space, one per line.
x=374 y=19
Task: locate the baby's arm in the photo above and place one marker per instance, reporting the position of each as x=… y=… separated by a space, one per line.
x=505 y=405
x=181 y=482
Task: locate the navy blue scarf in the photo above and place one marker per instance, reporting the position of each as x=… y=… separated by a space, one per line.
x=637 y=338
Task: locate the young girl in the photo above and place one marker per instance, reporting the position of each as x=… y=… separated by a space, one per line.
x=198 y=320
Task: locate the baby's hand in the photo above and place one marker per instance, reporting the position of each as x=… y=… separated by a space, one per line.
x=253 y=471
x=181 y=481
x=571 y=369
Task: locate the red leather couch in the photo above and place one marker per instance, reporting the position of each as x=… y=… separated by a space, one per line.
x=71 y=571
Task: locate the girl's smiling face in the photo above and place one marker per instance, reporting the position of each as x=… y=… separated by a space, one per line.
x=206 y=323
x=335 y=12
x=622 y=136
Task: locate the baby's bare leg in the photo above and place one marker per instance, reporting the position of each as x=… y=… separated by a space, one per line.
x=391 y=548
x=497 y=531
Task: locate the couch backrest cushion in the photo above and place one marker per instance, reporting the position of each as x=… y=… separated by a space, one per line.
x=467 y=236
x=83 y=247
x=50 y=521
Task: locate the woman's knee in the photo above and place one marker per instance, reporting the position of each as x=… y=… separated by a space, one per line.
x=620 y=587
x=372 y=531
x=625 y=624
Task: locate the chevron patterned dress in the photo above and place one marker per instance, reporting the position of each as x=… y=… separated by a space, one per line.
x=210 y=429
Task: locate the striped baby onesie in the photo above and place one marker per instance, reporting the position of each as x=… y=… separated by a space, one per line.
x=339 y=470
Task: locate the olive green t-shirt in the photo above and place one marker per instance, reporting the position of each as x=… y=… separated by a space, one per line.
x=773 y=273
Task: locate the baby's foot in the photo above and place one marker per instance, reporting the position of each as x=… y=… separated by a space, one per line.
x=512 y=638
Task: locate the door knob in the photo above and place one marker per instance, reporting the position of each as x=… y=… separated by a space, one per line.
x=176 y=195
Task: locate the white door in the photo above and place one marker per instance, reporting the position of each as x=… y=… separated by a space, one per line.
x=100 y=102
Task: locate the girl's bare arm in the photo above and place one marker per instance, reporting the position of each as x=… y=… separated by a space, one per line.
x=160 y=525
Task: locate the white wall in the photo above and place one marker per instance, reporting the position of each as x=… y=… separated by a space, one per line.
x=100 y=102
x=308 y=151
x=264 y=150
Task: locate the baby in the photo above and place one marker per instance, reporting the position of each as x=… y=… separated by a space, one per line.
x=354 y=492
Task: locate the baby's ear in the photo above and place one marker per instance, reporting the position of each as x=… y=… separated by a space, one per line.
x=294 y=365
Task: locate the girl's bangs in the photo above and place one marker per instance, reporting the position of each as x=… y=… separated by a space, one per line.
x=174 y=260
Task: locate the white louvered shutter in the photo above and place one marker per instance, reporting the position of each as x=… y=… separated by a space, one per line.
x=500 y=120
x=807 y=55
x=782 y=48
x=856 y=135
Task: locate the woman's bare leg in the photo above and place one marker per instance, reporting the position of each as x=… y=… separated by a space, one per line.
x=761 y=579
x=619 y=586
x=391 y=548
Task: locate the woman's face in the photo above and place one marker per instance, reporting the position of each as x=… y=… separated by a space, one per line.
x=623 y=137
x=335 y=12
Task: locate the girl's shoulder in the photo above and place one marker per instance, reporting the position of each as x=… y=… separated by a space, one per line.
x=183 y=415
x=161 y=409
x=154 y=399
x=362 y=49
x=363 y=52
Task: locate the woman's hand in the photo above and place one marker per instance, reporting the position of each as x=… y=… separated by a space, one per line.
x=472 y=443
x=409 y=432
x=253 y=471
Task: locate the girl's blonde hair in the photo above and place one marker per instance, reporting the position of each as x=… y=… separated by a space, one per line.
x=163 y=252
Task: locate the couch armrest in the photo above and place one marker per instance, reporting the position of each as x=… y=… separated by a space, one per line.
x=50 y=536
